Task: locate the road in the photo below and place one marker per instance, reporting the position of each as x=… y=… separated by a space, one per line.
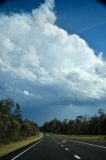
x=56 y=148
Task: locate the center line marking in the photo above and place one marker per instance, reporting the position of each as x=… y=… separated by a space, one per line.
x=95 y=145
x=66 y=149
x=77 y=157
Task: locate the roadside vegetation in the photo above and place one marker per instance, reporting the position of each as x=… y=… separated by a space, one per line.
x=82 y=127
x=5 y=149
x=13 y=128
x=84 y=137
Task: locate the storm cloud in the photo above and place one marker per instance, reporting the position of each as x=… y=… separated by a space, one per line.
x=43 y=66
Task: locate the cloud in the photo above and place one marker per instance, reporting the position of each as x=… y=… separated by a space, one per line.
x=58 y=67
x=3 y=1
x=26 y=93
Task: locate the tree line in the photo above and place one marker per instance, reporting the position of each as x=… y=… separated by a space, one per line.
x=82 y=125
x=12 y=124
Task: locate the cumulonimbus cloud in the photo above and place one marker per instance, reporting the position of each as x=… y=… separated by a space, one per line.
x=34 y=48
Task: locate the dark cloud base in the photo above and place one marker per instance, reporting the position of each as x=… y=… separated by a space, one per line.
x=3 y=1
x=102 y=1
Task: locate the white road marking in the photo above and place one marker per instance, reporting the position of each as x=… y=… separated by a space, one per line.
x=95 y=145
x=66 y=149
x=63 y=141
x=77 y=157
x=26 y=150
x=61 y=145
x=88 y=144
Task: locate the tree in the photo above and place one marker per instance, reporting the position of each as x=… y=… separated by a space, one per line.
x=101 y=112
x=82 y=125
x=4 y=125
x=14 y=128
x=12 y=124
x=17 y=113
x=6 y=106
x=26 y=129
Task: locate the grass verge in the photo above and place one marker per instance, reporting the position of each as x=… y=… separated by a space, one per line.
x=85 y=137
x=5 y=149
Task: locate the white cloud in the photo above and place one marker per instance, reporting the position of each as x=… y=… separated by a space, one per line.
x=33 y=95
x=34 y=48
x=26 y=93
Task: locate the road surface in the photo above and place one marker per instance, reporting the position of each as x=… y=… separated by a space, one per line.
x=55 y=148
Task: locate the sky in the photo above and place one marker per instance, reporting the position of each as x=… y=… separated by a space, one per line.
x=53 y=57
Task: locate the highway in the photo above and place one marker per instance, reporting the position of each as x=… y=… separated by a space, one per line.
x=55 y=148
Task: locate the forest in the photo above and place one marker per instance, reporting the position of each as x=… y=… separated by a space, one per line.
x=81 y=125
x=12 y=123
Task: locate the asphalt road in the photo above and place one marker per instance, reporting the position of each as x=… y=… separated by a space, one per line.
x=55 y=148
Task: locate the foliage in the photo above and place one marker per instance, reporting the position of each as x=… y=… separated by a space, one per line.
x=17 y=143
x=12 y=124
x=95 y=125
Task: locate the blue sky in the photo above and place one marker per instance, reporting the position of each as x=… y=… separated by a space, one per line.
x=52 y=57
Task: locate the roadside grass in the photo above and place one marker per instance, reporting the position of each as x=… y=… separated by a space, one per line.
x=85 y=137
x=12 y=146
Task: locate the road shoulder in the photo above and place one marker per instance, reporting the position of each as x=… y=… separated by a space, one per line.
x=17 y=147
